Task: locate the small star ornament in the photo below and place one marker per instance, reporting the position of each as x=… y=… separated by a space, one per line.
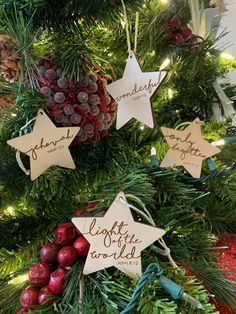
x=46 y=146
x=133 y=93
x=116 y=239
x=187 y=148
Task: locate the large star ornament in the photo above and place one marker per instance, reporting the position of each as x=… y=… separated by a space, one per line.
x=46 y=146
x=133 y=92
x=187 y=148
x=116 y=239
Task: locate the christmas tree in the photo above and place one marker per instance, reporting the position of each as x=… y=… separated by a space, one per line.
x=66 y=69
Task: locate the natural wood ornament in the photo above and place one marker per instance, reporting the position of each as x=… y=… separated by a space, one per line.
x=133 y=93
x=116 y=239
x=47 y=145
x=187 y=148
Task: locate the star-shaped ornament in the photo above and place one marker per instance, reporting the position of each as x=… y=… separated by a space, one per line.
x=46 y=146
x=116 y=239
x=187 y=148
x=133 y=93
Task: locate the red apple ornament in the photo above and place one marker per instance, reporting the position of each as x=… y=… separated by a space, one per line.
x=82 y=246
x=65 y=233
x=56 y=281
x=39 y=274
x=45 y=296
x=29 y=297
x=48 y=253
x=67 y=256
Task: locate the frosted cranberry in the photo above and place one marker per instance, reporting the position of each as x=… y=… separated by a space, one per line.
x=68 y=109
x=51 y=74
x=46 y=91
x=94 y=99
x=59 y=97
x=75 y=118
x=62 y=82
x=93 y=88
x=88 y=128
x=94 y=110
x=82 y=97
x=93 y=76
x=107 y=117
x=85 y=107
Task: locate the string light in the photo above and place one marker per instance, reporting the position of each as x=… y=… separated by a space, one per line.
x=19 y=279
x=226 y=140
x=218 y=143
x=141 y=127
x=170 y=93
x=153 y=151
x=226 y=56
x=165 y=63
x=9 y=210
x=152 y=53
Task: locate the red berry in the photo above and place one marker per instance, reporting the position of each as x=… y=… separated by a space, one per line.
x=186 y=32
x=48 y=253
x=45 y=296
x=29 y=297
x=65 y=233
x=47 y=64
x=82 y=246
x=39 y=274
x=194 y=40
x=67 y=256
x=56 y=281
x=92 y=204
x=80 y=212
x=75 y=118
x=175 y=24
x=177 y=38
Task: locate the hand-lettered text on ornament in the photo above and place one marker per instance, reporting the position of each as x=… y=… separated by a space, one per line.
x=116 y=237
x=42 y=146
x=191 y=149
x=137 y=89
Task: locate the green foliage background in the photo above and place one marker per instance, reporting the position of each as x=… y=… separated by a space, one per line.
x=192 y=212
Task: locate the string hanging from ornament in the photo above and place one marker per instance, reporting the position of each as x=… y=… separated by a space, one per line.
x=145 y=213
x=187 y=148
x=47 y=145
x=18 y=153
x=134 y=90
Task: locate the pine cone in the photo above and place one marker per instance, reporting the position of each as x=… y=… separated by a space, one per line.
x=5 y=102
x=10 y=59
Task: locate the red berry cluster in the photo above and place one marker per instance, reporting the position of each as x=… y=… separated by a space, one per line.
x=180 y=34
x=47 y=277
x=85 y=103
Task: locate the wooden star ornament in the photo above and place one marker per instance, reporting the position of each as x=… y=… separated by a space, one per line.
x=116 y=239
x=133 y=93
x=187 y=148
x=46 y=146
